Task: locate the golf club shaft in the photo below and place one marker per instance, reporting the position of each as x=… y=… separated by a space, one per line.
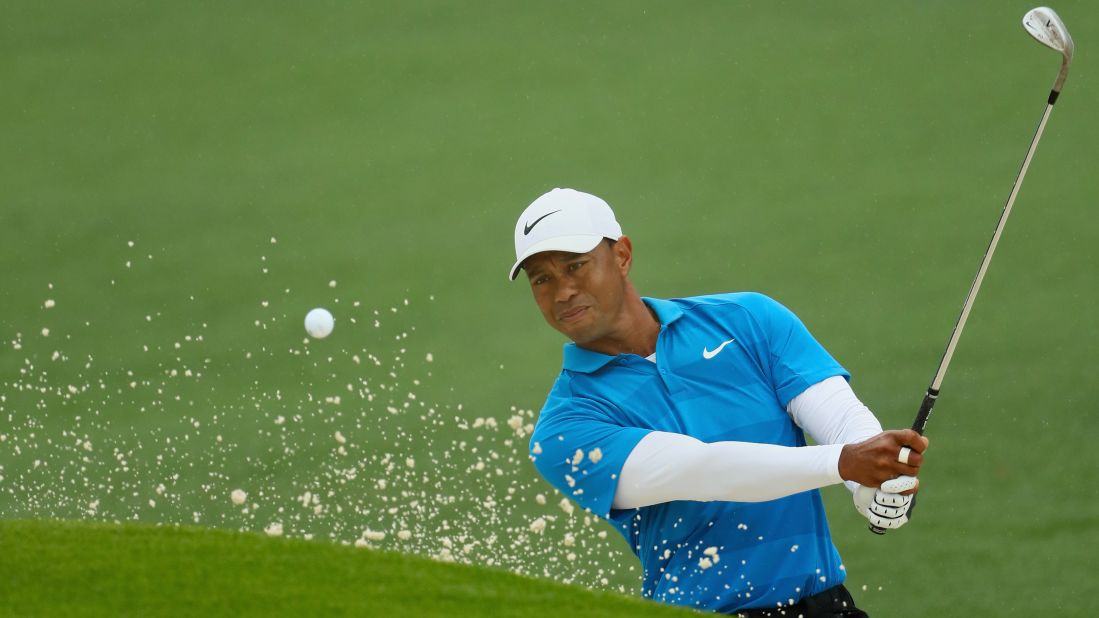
x=921 y=420
x=933 y=391
x=928 y=403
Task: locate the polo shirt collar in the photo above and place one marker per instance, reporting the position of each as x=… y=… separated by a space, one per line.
x=587 y=361
x=584 y=361
x=666 y=311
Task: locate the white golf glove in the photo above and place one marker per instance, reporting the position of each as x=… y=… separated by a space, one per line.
x=885 y=507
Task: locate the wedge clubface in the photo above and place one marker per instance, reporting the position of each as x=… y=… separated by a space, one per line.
x=1046 y=26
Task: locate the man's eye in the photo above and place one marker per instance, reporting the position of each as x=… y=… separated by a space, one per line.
x=539 y=280
x=575 y=266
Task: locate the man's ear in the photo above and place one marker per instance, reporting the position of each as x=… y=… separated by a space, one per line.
x=623 y=254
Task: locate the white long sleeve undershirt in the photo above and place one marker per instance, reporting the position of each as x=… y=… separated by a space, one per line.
x=668 y=466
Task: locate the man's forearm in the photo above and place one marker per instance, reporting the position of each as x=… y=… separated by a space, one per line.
x=831 y=413
x=664 y=467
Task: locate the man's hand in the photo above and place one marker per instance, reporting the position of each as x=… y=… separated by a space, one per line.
x=890 y=460
x=879 y=459
x=887 y=508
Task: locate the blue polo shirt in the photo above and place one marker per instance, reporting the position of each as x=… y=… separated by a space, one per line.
x=719 y=556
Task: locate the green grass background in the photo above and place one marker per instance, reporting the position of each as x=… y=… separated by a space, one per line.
x=849 y=159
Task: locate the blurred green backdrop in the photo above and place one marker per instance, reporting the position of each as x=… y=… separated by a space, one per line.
x=849 y=159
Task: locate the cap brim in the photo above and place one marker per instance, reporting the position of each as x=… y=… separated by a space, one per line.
x=580 y=243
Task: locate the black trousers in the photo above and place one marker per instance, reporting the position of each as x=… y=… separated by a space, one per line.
x=835 y=602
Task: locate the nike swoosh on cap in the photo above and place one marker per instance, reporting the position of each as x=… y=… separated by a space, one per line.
x=530 y=226
x=708 y=354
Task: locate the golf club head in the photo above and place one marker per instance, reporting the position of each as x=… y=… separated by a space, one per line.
x=1046 y=26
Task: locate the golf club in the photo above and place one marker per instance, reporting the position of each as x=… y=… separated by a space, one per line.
x=1043 y=24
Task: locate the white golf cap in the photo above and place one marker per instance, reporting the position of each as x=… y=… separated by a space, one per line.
x=563 y=220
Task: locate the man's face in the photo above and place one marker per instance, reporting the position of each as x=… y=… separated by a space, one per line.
x=580 y=294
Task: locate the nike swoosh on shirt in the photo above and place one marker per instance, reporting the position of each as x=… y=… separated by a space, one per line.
x=530 y=226
x=708 y=354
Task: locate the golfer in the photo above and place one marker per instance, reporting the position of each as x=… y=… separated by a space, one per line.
x=683 y=422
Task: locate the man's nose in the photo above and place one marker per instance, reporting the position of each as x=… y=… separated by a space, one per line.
x=566 y=290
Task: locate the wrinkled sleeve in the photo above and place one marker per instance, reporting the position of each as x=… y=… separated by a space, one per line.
x=792 y=357
x=578 y=448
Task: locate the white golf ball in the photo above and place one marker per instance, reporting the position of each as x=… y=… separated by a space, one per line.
x=319 y=323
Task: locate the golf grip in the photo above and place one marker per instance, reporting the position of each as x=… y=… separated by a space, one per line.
x=918 y=426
